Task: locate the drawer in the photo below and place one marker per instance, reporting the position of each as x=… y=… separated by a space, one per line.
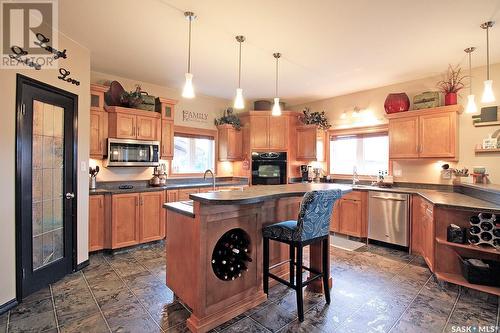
x=354 y=195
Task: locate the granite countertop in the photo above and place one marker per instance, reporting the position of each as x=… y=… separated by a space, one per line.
x=260 y=193
x=438 y=198
x=171 y=186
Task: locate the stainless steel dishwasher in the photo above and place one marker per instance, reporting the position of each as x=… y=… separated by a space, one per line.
x=388 y=217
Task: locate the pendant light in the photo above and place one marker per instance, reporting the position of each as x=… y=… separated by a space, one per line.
x=239 y=103
x=488 y=96
x=188 y=90
x=276 y=107
x=471 y=103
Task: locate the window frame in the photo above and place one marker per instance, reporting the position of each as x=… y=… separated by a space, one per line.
x=195 y=132
x=358 y=132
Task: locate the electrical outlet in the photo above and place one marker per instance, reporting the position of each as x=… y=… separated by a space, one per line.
x=83 y=166
x=398 y=172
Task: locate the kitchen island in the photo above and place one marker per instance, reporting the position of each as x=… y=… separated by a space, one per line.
x=197 y=230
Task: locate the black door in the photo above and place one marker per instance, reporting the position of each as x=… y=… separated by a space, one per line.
x=45 y=184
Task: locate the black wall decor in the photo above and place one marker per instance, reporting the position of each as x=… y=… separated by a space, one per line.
x=65 y=76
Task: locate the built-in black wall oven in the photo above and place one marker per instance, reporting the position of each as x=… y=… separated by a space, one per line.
x=268 y=168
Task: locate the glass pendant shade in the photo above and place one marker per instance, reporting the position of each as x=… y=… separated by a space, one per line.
x=488 y=95
x=188 y=90
x=276 y=107
x=239 y=103
x=471 y=105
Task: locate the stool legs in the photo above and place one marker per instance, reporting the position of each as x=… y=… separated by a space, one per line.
x=292 y=264
x=299 y=290
x=265 y=276
x=326 y=272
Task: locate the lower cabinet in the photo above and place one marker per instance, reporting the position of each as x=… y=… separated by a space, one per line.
x=151 y=216
x=422 y=230
x=349 y=215
x=96 y=222
x=125 y=214
x=184 y=193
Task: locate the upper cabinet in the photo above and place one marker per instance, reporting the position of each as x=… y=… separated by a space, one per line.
x=166 y=108
x=126 y=123
x=230 y=143
x=267 y=132
x=97 y=96
x=98 y=122
x=429 y=133
x=310 y=143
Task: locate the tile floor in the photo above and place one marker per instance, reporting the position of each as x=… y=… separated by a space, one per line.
x=375 y=290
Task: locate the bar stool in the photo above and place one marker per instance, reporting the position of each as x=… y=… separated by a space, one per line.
x=312 y=225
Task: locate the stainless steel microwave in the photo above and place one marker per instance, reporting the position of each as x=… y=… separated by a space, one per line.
x=133 y=153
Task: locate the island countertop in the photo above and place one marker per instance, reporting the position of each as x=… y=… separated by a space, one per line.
x=261 y=193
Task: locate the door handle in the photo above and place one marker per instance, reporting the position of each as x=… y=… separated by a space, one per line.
x=385 y=198
x=70 y=196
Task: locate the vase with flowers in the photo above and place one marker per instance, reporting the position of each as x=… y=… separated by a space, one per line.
x=452 y=83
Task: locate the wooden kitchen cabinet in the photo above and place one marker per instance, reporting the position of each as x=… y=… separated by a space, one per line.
x=152 y=222
x=278 y=132
x=403 y=138
x=167 y=139
x=349 y=215
x=127 y=123
x=259 y=132
x=137 y=218
x=97 y=96
x=230 y=143
x=438 y=135
x=98 y=122
x=125 y=220
x=268 y=132
x=96 y=222
x=172 y=195
x=310 y=143
x=183 y=194
x=422 y=230
x=146 y=128
x=428 y=133
x=98 y=133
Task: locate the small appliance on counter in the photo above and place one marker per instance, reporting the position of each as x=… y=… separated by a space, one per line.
x=159 y=176
x=304 y=173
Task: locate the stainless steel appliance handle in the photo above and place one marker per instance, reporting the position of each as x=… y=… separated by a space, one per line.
x=150 y=153
x=386 y=198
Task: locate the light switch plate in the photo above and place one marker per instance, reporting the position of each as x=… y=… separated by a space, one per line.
x=83 y=166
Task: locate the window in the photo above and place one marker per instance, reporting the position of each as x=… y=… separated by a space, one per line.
x=368 y=153
x=193 y=153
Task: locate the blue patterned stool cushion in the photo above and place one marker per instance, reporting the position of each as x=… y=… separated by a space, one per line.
x=313 y=220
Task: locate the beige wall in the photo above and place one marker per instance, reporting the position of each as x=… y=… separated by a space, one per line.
x=421 y=171
x=212 y=106
x=78 y=62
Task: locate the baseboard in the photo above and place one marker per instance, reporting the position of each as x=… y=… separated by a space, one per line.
x=7 y=306
x=82 y=265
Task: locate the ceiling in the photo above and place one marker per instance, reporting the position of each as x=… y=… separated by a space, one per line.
x=329 y=47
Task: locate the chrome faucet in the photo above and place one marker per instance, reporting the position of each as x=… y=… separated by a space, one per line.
x=355 y=178
x=213 y=177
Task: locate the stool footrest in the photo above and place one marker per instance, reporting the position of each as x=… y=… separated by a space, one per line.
x=312 y=270
x=293 y=286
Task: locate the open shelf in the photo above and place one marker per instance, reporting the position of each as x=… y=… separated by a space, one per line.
x=494 y=150
x=460 y=280
x=468 y=246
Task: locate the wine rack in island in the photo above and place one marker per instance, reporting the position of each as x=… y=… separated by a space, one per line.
x=230 y=257
x=485 y=229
